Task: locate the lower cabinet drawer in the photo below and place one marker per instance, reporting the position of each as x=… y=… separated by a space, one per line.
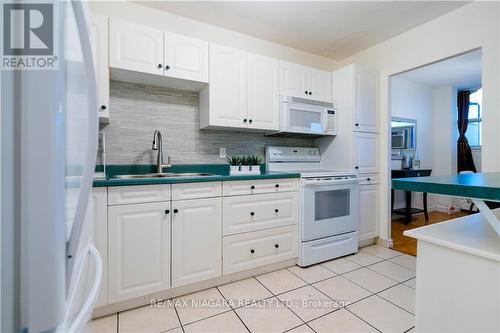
x=259 y=248
x=256 y=212
x=122 y=195
x=245 y=187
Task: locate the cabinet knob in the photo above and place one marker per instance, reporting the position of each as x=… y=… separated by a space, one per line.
x=310 y=93
x=356 y=167
x=249 y=121
x=167 y=67
x=277 y=185
x=167 y=211
x=368 y=179
x=276 y=245
x=252 y=251
x=252 y=187
x=245 y=120
x=306 y=92
x=276 y=210
x=103 y=107
x=176 y=210
x=160 y=65
x=252 y=213
x=357 y=124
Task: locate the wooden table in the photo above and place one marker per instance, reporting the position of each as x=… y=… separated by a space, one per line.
x=458 y=261
x=408 y=211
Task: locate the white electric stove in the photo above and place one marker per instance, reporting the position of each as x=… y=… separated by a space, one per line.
x=329 y=204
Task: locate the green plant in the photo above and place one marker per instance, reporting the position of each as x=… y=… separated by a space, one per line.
x=234 y=160
x=255 y=159
x=245 y=160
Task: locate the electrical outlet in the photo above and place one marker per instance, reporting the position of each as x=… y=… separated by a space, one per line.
x=222 y=152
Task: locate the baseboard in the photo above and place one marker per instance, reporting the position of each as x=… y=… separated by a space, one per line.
x=389 y=243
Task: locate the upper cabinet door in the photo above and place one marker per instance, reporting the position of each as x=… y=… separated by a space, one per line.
x=185 y=57
x=135 y=47
x=99 y=44
x=228 y=87
x=263 y=92
x=366 y=101
x=320 y=85
x=293 y=80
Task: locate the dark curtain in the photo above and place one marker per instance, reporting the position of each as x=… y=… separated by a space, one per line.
x=464 y=154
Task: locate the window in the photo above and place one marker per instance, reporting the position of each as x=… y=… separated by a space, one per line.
x=475 y=125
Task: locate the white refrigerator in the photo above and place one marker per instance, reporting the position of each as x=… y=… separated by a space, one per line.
x=50 y=270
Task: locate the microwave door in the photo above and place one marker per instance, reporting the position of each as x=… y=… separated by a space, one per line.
x=304 y=119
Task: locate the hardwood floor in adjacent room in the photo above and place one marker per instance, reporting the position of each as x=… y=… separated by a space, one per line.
x=406 y=244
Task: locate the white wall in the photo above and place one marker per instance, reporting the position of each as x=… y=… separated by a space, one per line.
x=178 y=24
x=414 y=101
x=445 y=36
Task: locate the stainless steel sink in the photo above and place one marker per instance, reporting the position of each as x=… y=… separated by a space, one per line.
x=164 y=175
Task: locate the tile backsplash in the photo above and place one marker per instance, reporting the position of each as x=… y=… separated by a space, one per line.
x=136 y=111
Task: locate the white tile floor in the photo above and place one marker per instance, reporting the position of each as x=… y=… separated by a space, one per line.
x=377 y=287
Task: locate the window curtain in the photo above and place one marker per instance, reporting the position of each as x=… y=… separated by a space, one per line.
x=464 y=153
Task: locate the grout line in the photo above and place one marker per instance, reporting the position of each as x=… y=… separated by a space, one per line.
x=232 y=309
x=409 y=329
x=117 y=322
x=178 y=317
x=363 y=320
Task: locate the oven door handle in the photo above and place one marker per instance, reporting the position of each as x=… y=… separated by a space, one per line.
x=330 y=182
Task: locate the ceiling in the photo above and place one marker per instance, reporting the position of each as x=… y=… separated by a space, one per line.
x=462 y=72
x=334 y=29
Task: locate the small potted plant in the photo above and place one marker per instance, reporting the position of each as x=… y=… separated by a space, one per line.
x=234 y=164
x=255 y=161
x=245 y=164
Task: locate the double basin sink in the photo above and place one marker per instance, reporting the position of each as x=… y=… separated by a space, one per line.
x=163 y=175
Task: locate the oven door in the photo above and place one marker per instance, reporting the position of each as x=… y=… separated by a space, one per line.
x=303 y=118
x=329 y=208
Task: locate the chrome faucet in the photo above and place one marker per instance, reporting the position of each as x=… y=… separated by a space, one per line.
x=158 y=146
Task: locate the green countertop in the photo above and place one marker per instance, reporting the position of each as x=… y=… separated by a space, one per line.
x=220 y=171
x=477 y=185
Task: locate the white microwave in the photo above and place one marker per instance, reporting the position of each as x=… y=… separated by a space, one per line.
x=300 y=116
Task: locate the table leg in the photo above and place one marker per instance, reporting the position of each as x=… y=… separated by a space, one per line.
x=425 y=208
x=408 y=207
x=488 y=214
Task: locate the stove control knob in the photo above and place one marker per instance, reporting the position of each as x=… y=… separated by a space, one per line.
x=280 y=152
x=275 y=153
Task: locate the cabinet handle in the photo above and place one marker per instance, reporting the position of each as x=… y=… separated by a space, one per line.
x=277 y=185
x=276 y=210
x=252 y=187
x=310 y=93
x=245 y=120
x=368 y=179
x=356 y=167
x=306 y=92
x=160 y=65
x=103 y=107
x=252 y=213
x=252 y=251
x=176 y=210
x=167 y=211
x=276 y=245
x=357 y=124
x=167 y=67
x=250 y=121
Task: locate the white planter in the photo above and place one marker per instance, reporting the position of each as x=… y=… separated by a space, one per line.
x=245 y=169
x=255 y=169
x=234 y=169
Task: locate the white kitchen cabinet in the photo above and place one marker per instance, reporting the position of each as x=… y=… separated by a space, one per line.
x=98 y=213
x=263 y=93
x=135 y=47
x=366 y=154
x=306 y=82
x=255 y=212
x=139 y=250
x=185 y=57
x=99 y=45
x=243 y=91
x=224 y=101
x=196 y=240
x=369 y=211
x=366 y=101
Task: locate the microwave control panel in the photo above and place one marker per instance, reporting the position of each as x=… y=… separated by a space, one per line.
x=331 y=124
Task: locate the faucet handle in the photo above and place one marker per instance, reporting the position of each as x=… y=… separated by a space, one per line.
x=168 y=163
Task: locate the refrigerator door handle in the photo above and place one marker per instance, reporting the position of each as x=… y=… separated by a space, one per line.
x=83 y=315
x=88 y=172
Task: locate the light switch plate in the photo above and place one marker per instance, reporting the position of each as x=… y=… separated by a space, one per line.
x=222 y=152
